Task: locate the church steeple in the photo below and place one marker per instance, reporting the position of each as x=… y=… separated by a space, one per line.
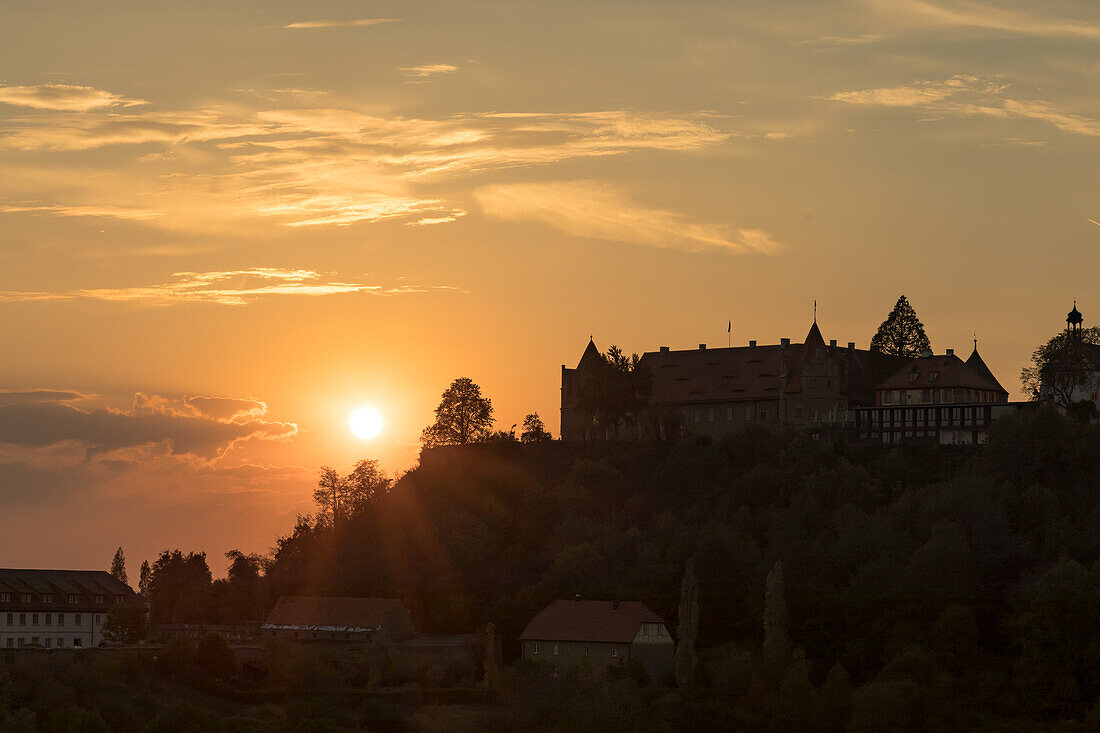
x=1074 y=321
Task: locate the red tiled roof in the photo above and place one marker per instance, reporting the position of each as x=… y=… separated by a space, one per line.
x=595 y=621
x=951 y=372
x=334 y=612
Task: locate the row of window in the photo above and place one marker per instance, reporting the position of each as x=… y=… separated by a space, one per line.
x=920 y=415
x=47 y=619
x=48 y=598
x=46 y=642
x=556 y=650
x=912 y=396
x=759 y=412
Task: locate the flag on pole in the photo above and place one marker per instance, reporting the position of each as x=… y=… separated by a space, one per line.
x=729 y=326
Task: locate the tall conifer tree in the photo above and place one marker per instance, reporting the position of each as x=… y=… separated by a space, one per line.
x=902 y=333
x=118 y=567
x=688 y=627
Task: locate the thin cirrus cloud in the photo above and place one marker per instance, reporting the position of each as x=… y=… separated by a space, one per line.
x=425 y=72
x=312 y=167
x=601 y=211
x=359 y=23
x=104 y=211
x=63 y=97
x=989 y=17
x=969 y=97
x=233 y=287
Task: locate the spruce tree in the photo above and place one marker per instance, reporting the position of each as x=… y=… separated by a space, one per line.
x=688 y=627
x=902 y=333
x=118 y=567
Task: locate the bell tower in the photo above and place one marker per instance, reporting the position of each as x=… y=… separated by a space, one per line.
x=1074 y=319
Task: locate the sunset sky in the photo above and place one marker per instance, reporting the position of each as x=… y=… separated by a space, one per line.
x=226 y=225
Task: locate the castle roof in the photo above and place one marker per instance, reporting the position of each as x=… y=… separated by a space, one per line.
x=753 y=372
x=941 y=371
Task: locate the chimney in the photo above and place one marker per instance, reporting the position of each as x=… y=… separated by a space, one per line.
x=614 y=605
x=664 y=349
x=752 y=344
x=702 y=347
x=851 y=345
x=784 y=342
x=950 y=352
x=832 y=342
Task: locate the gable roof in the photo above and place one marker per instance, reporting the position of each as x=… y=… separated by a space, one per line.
x=951 y=371
x=596 y=621
x=62 y=582
x=332 y=612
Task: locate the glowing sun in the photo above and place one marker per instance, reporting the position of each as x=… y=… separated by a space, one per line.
x=366 y=423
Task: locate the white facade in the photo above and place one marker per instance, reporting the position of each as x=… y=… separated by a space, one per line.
x=51 y=629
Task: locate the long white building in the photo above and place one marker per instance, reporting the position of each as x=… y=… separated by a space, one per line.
x=57 y=609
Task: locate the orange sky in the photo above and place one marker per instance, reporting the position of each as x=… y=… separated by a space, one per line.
x=304 y=210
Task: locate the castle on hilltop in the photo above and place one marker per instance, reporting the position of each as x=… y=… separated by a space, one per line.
x=811 y=385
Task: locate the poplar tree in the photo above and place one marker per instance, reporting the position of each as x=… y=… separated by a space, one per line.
x=144 y=577
x=688 y=628
x=777 y=647
x=902 y=333
x=118 y=567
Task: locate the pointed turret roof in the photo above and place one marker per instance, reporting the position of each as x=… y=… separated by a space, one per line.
x=813 y=338
x=976 y=363
x=1074 y=316
x=590 y=353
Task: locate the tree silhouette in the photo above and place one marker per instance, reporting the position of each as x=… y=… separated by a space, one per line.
x=330 y=494
x=688 y=628
x=777 y=647
x=118 y=567
x=144 y=577
x=365 y=485
x=617 y=391
x=463 y=416
x=902 y=333
x=1060 y=367
x=534 y=431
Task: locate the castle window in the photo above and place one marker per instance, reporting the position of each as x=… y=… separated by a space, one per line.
x=534 y=647
x=729 y=414
x=798 y=409
x=710 y=414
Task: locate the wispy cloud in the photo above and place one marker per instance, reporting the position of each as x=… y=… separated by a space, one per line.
x=106 y=211
x=63 y=97
x=327 y=166
x=427 y=71
x=601 y=211
x=233 y=287
x=969 y=96
x=990 y=17
x=360 y=23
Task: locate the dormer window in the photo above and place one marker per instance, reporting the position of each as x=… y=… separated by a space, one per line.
x=47 y=597
x=24 y=597
x=932 y=376
x=913 y=376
